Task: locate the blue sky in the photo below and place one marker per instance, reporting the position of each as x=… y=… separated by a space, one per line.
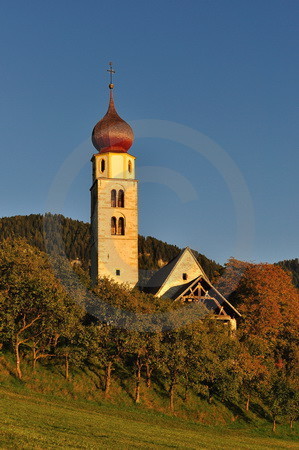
x=225 y=69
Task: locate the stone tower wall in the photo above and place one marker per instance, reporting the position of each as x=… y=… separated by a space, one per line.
x=114 y=256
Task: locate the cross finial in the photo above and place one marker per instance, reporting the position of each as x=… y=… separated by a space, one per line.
x=111 y=71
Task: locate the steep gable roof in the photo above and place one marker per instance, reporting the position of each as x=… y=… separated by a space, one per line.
x=159 y=279
x=217 y=296
x=165 y=281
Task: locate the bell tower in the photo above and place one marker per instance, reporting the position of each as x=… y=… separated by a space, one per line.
x=114 y=200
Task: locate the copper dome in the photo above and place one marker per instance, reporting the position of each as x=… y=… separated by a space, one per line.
x=112 y=134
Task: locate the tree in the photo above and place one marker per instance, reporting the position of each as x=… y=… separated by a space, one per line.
x=231 y=276
x=277 y=396
x=215 y=364
x=144 y=349
x=172 y=357
x=292 y=267
x=106 y=347
x=269 y=303
x=292 y=406
x=71 y=347
x=34 y=305
x=253 y=372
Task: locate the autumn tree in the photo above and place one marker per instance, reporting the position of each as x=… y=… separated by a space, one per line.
x=269 y=303
x=269 y=331
x=231 y=276
x=253 y=371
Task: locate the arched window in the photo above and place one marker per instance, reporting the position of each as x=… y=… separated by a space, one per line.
x=121 y=199
x=130 y=166
x=113 y=198
x=103 y=165
x=113 y=225
x=121 y=226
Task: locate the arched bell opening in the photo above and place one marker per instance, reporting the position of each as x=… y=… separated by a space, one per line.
x=113 y=225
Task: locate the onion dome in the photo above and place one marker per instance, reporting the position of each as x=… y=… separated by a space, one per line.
x=112 y=134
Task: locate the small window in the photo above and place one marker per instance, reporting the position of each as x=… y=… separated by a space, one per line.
x=113 y=198
x=117 y=272
x=121 y=226
x=185 y=276
x=130 y=166
x=103 y=165
x=113 y=225
x=121 y=199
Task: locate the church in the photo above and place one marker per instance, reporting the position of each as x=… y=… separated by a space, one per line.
x=114 y=225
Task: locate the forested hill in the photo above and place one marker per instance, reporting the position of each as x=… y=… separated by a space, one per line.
x=153 y=254
x=76 y=239
x=74 y=234
x=291 y=265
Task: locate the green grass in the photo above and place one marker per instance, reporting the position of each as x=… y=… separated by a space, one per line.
x=37 y=421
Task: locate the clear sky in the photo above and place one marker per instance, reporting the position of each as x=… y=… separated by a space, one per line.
x=211 y=88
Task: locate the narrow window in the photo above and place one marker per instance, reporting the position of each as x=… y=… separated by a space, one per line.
x=130 y=166
x=113 y=198
x=117 y=272
x=121 y=199
x=121 y=226
x=102 y=165
x=113 y=225
x=185 y=276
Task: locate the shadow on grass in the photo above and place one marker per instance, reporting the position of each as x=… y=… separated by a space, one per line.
x=159 y=387
x=9 y=368
x=124 y=375
x=259 y=411
x=237 y=411
x=96 y=377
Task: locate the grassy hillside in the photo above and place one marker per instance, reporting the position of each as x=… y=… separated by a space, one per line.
x=86 y=384
x=37 y=421
x=44 y=410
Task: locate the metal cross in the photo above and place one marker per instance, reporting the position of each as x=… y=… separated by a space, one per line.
x=111 y=71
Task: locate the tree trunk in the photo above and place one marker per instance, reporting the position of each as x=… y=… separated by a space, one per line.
x=138 y=379
x=148 y=376
x=34 y=358
x=67 y=366
x=55 y=342
x=247 y=402
x=18 y=359
x=18 y=342
x=291 y=423
x=108 y=378
x=274 y=425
